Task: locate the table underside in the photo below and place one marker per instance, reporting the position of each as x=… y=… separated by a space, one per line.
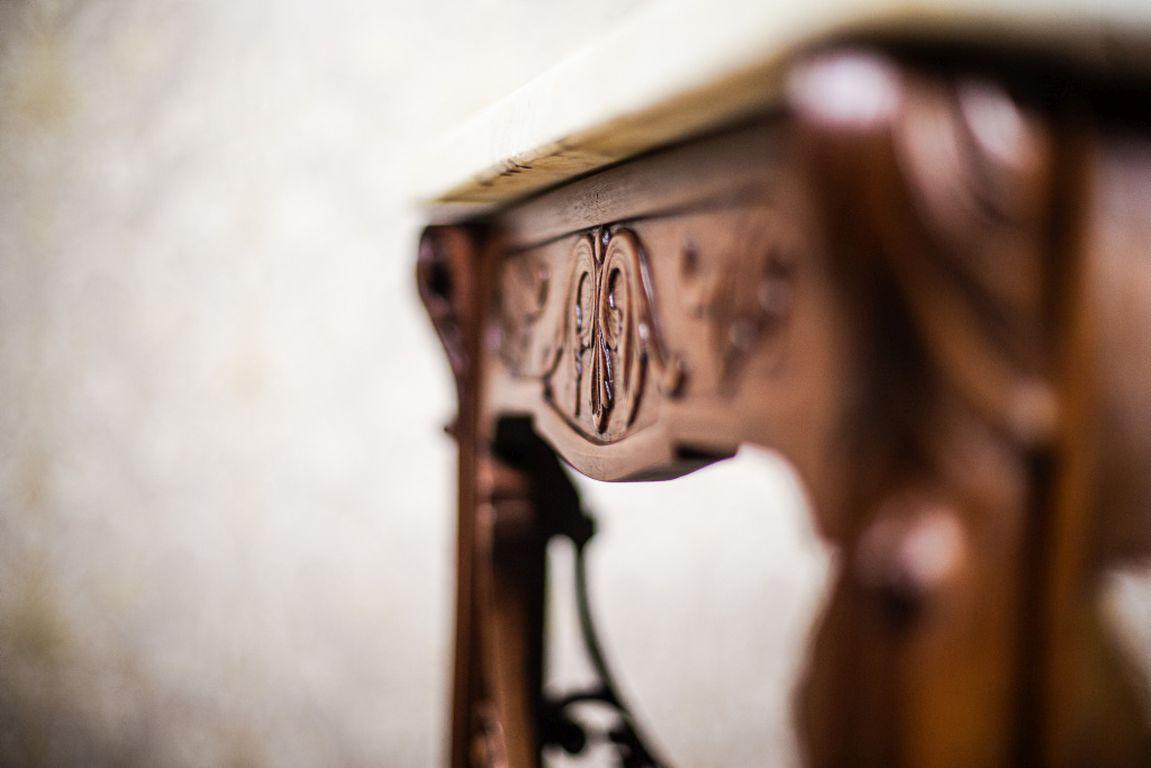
x=927 y=287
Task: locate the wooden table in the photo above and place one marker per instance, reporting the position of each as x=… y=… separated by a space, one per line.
x=906 y=246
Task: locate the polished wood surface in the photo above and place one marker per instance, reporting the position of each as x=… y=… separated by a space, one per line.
x=922 y=281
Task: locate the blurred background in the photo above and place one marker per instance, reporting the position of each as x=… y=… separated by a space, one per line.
x=226 y=510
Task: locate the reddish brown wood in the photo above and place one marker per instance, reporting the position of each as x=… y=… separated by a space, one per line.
x=1102 y=514
x=507 y=500
x=448 y=274
x=938 y=244
x=929 y=292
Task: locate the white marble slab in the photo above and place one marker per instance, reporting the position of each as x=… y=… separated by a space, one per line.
x=675 y=67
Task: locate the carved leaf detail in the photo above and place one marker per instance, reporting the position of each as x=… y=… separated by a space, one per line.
x=594 y=349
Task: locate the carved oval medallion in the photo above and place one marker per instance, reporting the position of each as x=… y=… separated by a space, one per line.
x=605 y=315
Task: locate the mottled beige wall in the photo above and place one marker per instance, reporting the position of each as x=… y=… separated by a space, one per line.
x=224 y=501
x=225 y=531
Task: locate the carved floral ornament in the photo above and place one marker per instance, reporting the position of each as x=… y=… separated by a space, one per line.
x=594 y=350
x=594 y=337
x=614 y=332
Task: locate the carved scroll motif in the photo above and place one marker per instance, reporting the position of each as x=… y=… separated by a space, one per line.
x=595 y=350
x=530 y=337
x=744 y=294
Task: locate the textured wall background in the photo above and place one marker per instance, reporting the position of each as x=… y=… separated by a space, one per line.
x=225 y=512
x=225 y=517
